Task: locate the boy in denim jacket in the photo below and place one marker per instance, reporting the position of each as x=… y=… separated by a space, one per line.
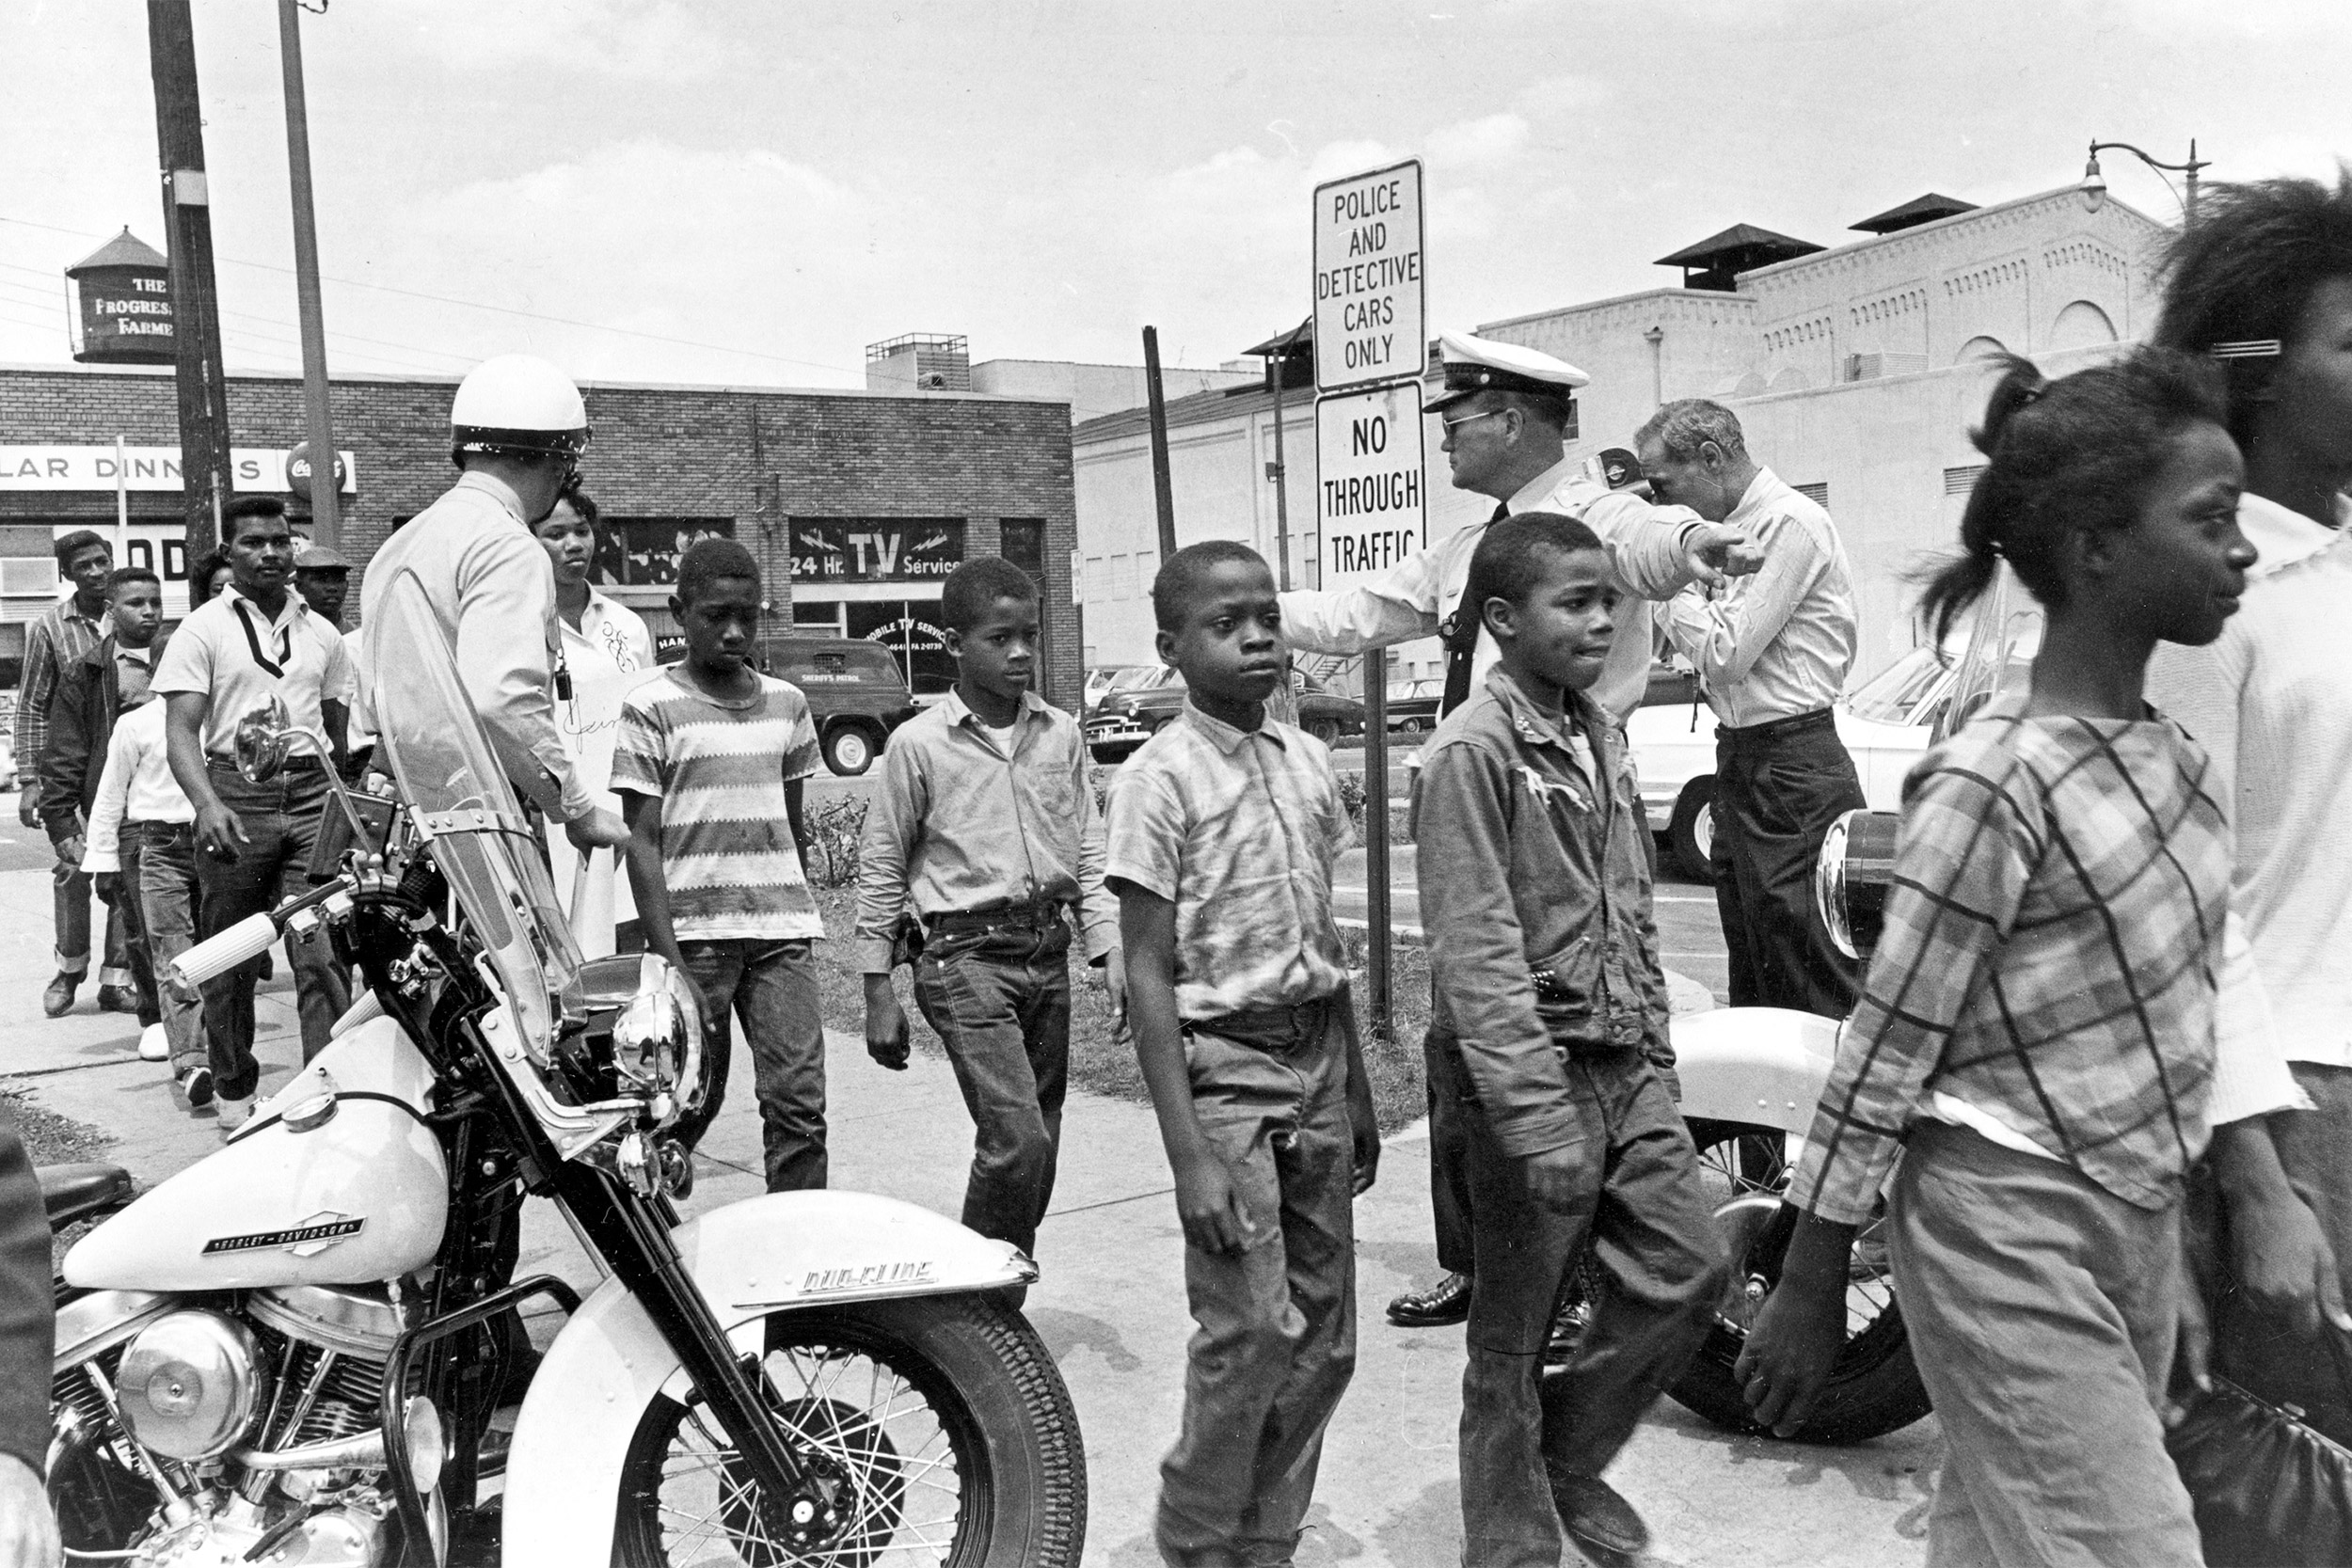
x=1551 y=1007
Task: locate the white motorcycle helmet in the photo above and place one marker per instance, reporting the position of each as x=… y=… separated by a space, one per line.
x=517 y=402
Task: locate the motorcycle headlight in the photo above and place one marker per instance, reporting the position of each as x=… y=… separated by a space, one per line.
x=658 y=1041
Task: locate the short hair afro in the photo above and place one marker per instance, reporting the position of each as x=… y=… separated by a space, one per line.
x=1180 y=578
x=710 y=558
x=972 y=589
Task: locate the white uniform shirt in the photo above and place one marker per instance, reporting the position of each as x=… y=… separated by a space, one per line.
x=493 y=591
x=239 y=656
x=1779 y=643
x=137 y=785
x=2269 y=700
x=1411 y=598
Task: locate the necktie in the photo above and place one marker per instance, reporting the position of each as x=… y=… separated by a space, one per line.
x=1461 y=643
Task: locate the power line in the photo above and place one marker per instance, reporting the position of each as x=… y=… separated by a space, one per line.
x=500 y=309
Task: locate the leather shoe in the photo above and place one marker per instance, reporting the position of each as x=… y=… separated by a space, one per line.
x=57 y=1000
x=1446 y=1302
x=117 y=999
x=1602 y=1523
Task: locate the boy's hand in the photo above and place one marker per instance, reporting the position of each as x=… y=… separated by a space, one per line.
x=2283 y=1259
x=886 y=1030
x=1211 y=1206
x=29 y=807
x=110 y=885
x=2191 y=1353
x=1364 y=1127
x=599 y=829
x=1115 y=981
x=1795 y=1339
x=218 y=832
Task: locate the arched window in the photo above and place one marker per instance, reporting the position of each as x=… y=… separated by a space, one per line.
x=1980 y=347
x=2081 y=325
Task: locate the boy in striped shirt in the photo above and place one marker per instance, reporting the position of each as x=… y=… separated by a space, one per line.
x=708 y=765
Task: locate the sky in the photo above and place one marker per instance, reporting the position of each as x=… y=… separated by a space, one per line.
x=751 y=193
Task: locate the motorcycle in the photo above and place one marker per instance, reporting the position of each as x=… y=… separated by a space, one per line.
x=307 y=1349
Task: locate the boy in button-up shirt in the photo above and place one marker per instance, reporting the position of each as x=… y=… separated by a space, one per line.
x=1223 y=829
x=985 y=831
x=1550 y=1007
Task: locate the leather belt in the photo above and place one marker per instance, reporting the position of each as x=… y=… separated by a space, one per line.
x=1272 y=1029
x=1772 y=729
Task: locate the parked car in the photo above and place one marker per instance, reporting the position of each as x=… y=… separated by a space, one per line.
x=857 y=695
x=1886 y=722
x=1413 y=705
x=1102 y=679
x=1128 y=717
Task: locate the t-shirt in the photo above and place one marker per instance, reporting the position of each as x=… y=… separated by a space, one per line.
x=239 y=656
x=719 y=769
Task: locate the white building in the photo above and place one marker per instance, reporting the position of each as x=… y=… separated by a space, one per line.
x=1857 y=372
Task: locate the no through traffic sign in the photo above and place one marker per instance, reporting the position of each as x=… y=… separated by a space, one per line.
x=1370 y=507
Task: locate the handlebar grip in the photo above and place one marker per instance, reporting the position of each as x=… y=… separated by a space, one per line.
x=217 y=955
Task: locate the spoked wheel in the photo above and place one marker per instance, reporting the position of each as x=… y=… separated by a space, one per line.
x=940 y=1425
x=1874 y=1389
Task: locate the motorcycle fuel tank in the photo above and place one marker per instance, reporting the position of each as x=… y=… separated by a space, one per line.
x=336 y=1180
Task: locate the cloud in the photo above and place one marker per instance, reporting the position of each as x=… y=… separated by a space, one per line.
x=603 y=37
x=1478 y=143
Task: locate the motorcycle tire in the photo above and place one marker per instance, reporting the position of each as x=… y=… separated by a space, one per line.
x=1874 y=1387
x=945 y=1415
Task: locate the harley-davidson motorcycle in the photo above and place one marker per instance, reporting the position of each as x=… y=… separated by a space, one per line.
x=306 y=1348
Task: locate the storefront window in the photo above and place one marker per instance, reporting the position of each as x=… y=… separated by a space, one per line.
x=911 y=630
x=639 y=551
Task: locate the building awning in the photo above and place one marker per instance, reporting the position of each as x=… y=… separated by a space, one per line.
x=1919 y=209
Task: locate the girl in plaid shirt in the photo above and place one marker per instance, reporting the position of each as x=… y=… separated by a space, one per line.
x=2037 y=1031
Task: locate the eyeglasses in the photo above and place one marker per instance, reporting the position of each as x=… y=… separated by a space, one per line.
x=1452 y=425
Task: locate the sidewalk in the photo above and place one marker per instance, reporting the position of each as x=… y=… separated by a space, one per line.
x=1111 y=1306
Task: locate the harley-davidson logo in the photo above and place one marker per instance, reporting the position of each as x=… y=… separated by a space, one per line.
x=316 y=1234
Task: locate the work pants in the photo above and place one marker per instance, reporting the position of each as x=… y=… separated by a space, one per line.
x=2042 y=1311
x=1778 y=787
x=1275 y=1339
x=281 y=821
x=1449 y=1198
x=772 y=986
x=169 y=896
x=1000 y=999
x=2256 y=1350
x=1644 y=1210
x=70 y=895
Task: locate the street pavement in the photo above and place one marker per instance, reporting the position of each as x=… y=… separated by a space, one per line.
x=1111 y=1306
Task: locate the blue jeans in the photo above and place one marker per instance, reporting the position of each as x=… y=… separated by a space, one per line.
x=1275 y=1344
x=280 y=820
x=168 y=894
x=772 y=986
x=69 y=891
x=1000 y=1000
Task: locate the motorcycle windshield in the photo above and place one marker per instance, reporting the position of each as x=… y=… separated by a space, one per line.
x=2006 y=635
x=460 y=801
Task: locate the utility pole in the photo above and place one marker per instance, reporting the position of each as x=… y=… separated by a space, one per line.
x=203 y=384
x=1278 y=472
x=1163 y=490
x=327 y=522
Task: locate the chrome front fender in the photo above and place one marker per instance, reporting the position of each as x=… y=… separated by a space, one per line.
x=1763 y=1066
x=764 y=1255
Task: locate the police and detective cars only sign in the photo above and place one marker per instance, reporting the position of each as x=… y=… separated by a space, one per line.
x=1370 y=314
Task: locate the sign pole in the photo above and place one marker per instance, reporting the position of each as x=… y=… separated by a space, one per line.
x=1274 y=367
x=202 y=383
x=327 y=524
x=1163 y=490
x=1382 y=1003
x=122 y=504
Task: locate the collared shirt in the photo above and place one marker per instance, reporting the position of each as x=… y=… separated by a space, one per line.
x=134 y=673
x=137 y=786
x=52 y=643
x=962 y=824
x=1780 y=643
x=719 y=769
x=2053 y=940
x=1414 y=597
x=1238 y=830
x=1531 y=860
x=608 y=653
x=493 y=592
x=2269 y=702
x=239 y=656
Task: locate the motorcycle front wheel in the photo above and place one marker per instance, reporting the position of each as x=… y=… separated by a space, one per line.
x=1874 y=1386
x=942 y=1420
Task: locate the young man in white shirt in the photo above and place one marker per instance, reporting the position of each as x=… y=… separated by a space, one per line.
x=254 y=643
x=2262 y=285
x=140 y=846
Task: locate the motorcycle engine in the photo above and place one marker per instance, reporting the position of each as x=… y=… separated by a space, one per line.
x=194 y=1406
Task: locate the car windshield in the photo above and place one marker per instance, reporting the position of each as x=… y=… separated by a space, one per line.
x=1142 y=676
x=459 y=798
x=1896 y=694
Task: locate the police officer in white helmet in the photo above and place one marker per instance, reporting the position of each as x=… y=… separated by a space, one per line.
x=516 y=431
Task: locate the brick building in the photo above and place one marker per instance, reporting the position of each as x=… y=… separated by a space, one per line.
x=856 y=502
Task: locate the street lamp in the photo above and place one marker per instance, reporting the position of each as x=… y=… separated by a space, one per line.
x=2094 y=186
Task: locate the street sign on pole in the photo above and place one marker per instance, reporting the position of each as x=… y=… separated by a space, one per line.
x=1371 y=508
x=1370 y=314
